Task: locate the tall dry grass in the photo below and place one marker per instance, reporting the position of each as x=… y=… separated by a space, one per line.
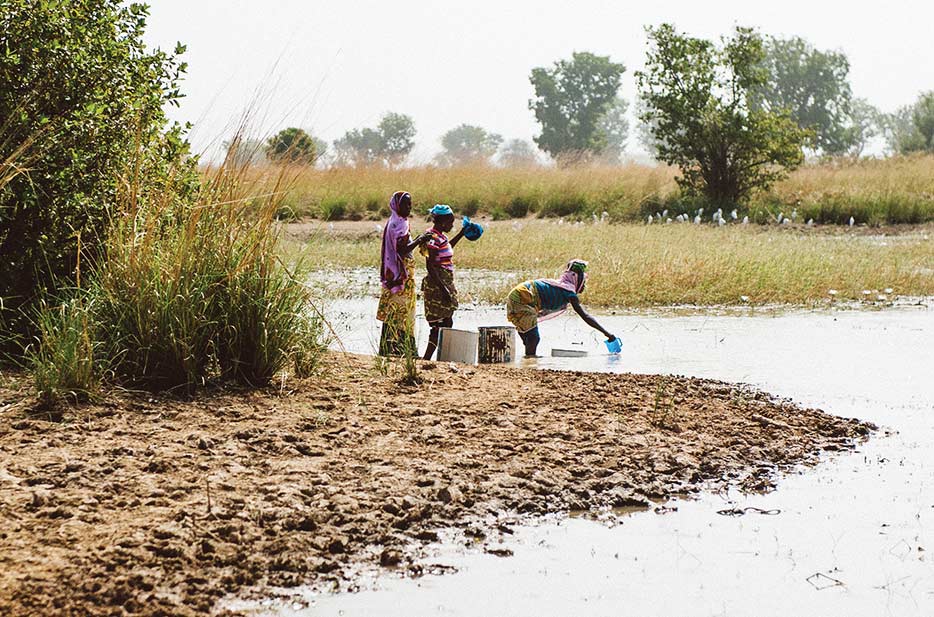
x=893 y=190
x=363 y=193
x=184 y=290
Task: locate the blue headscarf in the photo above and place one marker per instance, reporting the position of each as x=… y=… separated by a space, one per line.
x=440 y=210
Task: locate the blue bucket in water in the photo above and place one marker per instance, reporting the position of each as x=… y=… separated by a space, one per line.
x=472 y=231
x=614 y=346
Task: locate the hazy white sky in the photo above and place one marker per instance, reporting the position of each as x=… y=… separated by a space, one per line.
x=330 y=66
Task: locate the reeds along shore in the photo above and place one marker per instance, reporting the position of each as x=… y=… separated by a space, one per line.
x=872 y=191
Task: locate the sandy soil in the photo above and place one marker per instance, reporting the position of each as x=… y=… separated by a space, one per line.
x=149 y=505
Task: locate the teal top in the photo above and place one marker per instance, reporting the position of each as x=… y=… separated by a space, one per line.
x=553 y=298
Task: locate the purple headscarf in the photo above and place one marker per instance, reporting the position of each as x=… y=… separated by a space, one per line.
x=392 y=272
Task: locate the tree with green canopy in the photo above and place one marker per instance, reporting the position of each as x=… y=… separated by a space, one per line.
x=467 y=144
x=614 y=125
x=398 y=136
x=388 y=144
x=292 y=145
x=911 y=128
x=571 y=99
x=518 y=153
x=697 y=98
x=813 y=86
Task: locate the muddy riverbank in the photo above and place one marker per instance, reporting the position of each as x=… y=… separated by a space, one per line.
x=158 y=506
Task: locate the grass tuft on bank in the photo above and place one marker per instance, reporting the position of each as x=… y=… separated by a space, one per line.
x=185 y=291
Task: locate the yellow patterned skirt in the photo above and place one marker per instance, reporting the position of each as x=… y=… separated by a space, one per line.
x=397 y=312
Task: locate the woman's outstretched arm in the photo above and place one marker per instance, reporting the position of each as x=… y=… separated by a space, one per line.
x=590 y=321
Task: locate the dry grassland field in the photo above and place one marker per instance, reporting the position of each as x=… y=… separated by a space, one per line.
x=873 y=192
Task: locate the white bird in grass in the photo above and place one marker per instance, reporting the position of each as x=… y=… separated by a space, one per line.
x=794 y=214
x=779 y=218
x=721 y=222
x=744 y=298
x=810 y=222
x=786 y=222
x=604 y=216
x=667 y=221
x=852 y=220
x=888 y=290
x=648 y=221
x=745 y=220
x=832 y=292
x=697 y=220
x=378 y=228
x=665 y=212
x=734 y=215
x=331 y=227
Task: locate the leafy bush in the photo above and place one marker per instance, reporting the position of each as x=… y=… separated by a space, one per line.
x=79 y=74
x=519 y=206
x=292 y=145
x=333 y=209
x=470 y=207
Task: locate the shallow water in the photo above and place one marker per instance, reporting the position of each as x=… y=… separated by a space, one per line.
x=854 y=535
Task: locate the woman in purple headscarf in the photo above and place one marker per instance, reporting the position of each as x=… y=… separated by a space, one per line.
x=397 y=276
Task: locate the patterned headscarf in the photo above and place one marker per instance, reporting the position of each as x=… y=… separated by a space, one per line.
x=392 y=272
x=574 y=277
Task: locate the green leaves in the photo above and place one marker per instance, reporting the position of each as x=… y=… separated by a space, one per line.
x=77 y=83
x=570 y=101
x=292 y=145
x=812 y=86
x=388 y=144
x=468 y=144
x=699 y=106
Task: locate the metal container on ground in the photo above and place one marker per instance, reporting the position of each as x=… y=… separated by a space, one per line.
x=457 y=346
x=497 y=344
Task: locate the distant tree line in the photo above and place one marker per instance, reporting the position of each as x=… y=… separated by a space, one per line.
x=733 y=116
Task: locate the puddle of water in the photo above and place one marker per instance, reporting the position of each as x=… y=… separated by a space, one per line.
x=854 y=536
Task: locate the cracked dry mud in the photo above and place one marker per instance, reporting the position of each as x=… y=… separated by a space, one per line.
x=151 y=505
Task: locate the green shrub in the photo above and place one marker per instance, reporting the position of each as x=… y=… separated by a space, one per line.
x=78 y=73
x=519 y=207
x=499 y=214
x=333 y=209
x=470 y=207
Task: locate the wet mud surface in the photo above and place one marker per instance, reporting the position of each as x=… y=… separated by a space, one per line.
x=150 y=505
